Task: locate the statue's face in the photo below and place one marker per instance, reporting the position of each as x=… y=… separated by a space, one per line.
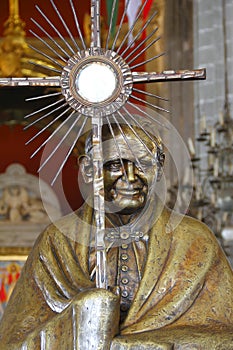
x=128 y=195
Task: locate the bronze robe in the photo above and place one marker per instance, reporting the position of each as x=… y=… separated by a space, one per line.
x=184 y=300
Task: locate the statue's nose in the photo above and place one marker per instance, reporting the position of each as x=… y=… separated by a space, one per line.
x=130 y=171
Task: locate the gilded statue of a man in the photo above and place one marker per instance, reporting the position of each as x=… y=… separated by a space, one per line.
x=170 y=285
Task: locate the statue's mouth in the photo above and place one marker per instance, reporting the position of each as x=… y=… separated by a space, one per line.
x=129 y=193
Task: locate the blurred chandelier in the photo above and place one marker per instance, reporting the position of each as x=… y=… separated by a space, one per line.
x=213 y=195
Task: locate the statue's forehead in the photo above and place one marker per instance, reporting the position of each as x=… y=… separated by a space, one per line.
x=132 y=149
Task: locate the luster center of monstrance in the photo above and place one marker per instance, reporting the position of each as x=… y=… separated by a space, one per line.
x=96 y=82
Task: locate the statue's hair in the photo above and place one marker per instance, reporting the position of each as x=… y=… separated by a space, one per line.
x=107 y=134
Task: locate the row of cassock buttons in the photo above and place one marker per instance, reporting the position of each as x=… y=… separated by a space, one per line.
x=124 y=280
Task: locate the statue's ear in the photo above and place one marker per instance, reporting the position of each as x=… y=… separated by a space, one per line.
x=85 y=165
x=160 y=164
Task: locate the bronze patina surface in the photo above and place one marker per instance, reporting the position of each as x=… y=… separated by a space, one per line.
x=170 y=285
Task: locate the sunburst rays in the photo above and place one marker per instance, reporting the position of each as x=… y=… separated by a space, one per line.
x=133 y=24
x=137 y=36
x=58 y=53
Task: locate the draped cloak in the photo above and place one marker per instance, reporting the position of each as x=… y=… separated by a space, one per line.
x=186 y=291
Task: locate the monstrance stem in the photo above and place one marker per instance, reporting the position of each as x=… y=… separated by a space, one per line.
x=98 y=179
x=99 y=210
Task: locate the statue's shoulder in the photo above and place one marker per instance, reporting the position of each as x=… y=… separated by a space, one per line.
x=66 y=222
x=197 y=228
x=187 y=228
x=192 y=238
x=65 y=225
x=72 y=225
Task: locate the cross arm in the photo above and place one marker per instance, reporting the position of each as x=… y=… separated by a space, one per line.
x=169 y=75
x=47 y=81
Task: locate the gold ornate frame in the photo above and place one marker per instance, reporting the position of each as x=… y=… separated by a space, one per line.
x=14 y=253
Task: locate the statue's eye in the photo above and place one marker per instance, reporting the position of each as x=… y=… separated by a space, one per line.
x=113 y=166
x=145 y=165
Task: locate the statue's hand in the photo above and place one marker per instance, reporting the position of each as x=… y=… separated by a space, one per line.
x=97 y=314
x=91 y=321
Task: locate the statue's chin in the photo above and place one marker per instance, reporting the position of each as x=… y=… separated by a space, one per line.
x=125 y=206
x=129 y=211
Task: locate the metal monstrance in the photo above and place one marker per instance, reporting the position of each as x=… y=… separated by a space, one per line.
x=96 y=82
